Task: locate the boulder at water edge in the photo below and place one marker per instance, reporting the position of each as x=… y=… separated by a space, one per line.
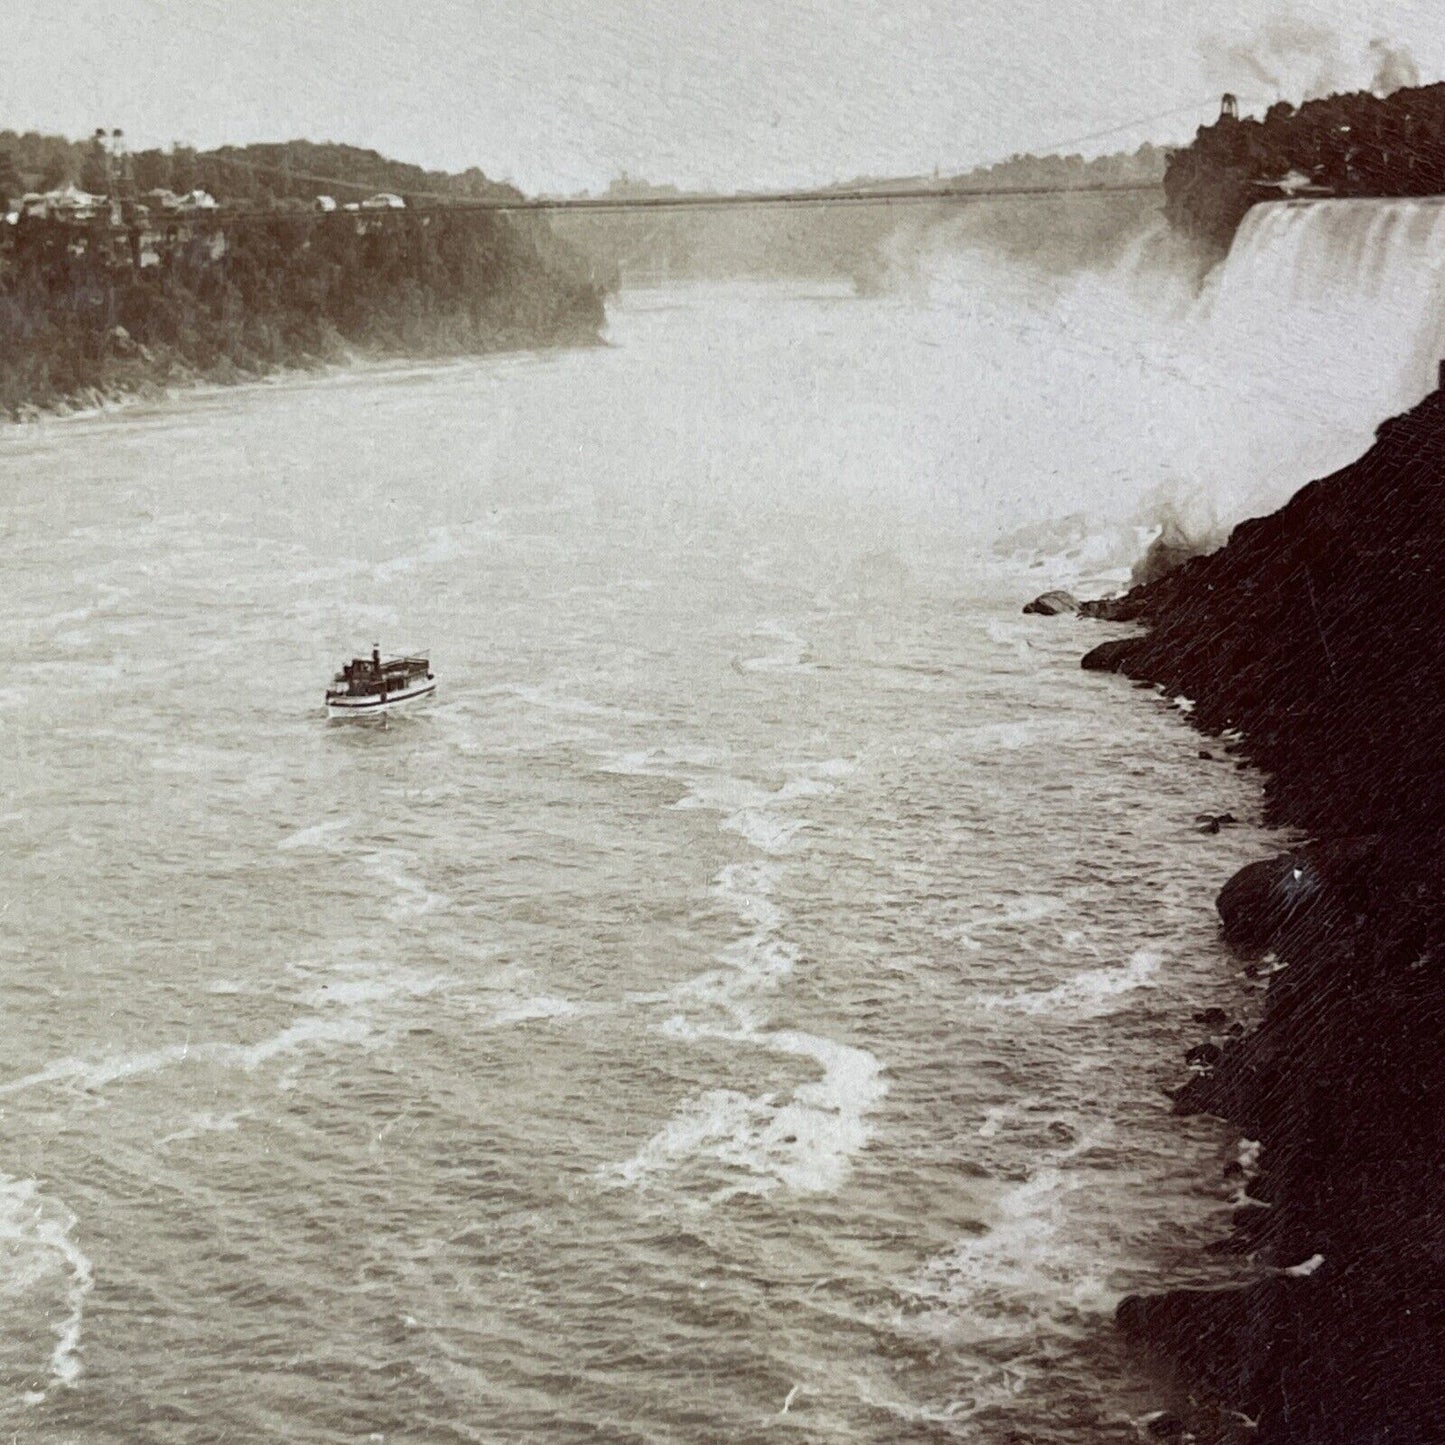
x=1053 y=604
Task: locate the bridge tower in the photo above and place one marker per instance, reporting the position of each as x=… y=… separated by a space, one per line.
x=121 y=173
x=103 y=161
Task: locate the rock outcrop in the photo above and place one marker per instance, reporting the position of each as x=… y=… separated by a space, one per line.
x=1315 y=638
x=1053 y=604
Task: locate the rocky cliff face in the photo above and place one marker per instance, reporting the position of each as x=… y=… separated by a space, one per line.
x=1317 y=633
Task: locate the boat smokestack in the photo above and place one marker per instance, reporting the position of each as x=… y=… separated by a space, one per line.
x=376 y=646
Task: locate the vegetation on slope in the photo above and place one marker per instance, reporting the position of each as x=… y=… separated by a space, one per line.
x=1341 y=145
x=265 y=281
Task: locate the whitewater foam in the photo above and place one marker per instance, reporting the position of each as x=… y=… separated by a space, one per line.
x=534 y=1008
x=205 y=1122
x=1095 y=991
x=658 y=761
x=789 y=654
x=95 y=1075
x=825 y=1122
x=986 y=920
x=411 y=898
x=1030 y=1259
x=550 y=699
x=344 y=998
x=439 y=547
x=804 y=1143
x=747 y=888
x=757 y=813
x=37 y=1235
x=993 y=1121
x=318 y=835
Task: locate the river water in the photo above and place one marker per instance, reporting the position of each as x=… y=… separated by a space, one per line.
x=734 y=1008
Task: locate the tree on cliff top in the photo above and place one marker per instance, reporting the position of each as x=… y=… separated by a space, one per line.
x=1350 y=145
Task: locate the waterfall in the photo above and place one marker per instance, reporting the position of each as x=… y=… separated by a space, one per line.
x=1341 y=299
x=1128 y=390
x=1325 y=318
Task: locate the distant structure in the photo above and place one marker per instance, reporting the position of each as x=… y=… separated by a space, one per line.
x=114 y=160
x=1229 y=107
x=122 y=175
x=100 y=141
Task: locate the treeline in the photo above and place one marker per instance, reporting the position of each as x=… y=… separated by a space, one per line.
x=300 y=170
x=1144 y=166
x=252 y=175
x=1343 y=145
x=86 y=314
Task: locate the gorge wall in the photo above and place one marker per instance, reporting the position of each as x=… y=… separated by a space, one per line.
x=1313 y=638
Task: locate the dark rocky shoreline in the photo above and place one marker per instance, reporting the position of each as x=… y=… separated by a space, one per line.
x=1314 y=639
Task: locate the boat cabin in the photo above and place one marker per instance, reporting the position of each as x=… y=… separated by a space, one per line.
x=370 y=676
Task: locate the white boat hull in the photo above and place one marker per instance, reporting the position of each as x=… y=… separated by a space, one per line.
x=366 y=705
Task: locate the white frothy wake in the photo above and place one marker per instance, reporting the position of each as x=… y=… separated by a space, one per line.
x=534 y=1008
x=550 y=699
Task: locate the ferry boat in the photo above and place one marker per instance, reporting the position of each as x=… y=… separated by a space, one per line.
x=369 y=685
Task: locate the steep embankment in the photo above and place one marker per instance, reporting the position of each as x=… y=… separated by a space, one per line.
x=132 y=299
x=1316 y=632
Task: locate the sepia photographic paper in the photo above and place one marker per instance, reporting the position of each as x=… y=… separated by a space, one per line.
x=721 y=722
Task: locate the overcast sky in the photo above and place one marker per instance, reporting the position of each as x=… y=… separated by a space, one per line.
x=561 y=95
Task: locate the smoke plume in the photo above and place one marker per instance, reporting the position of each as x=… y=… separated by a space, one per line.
x=1287 y=57
x=1296 y=59
x=1395 y=68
